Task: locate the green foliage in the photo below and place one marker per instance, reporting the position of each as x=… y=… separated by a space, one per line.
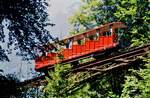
x=112 y=95
x=92 y=13
x=109 y=85
x=62 y=84
x=26 y=23
x=136 y=14
x=137 y=85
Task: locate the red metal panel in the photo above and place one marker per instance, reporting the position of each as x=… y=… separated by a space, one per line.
x=51 y=55
x=78 y=49
x=90 y=45
x=110 y=40
x=100 y=42
x=74 y=49
x=105 y=41
x=70 y=52
x=43 y=61
x=83 y=49
x=38 y=65
x=65 y=53
x=38 y=62
x=52 y=62
x=44 y=64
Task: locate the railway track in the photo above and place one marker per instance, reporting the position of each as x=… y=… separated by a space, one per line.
x=123 y=57
x=99 y=66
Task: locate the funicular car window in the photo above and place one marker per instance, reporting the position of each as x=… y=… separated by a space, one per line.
x=106 y=33
x=80 y=41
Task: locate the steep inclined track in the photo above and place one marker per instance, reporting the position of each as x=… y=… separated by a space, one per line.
x=119 y=57
x=100 y=66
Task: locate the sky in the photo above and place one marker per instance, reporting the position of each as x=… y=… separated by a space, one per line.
x=59 y=12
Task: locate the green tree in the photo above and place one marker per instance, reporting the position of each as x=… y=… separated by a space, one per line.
x=136 y=14
x=137 y=84
x=62 y=84
x=27 y=21
x=93 y=13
